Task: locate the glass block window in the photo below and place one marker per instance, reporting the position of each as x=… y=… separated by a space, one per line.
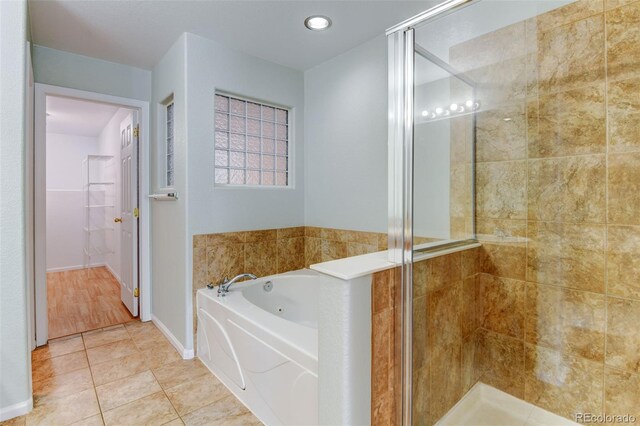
x=251 y=143
x=169 y=143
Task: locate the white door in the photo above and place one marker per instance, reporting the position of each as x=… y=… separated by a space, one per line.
x=128 y=220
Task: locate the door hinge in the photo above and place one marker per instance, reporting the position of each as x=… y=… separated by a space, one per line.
x=136 y=212
x=136 y=131
x=136 y=292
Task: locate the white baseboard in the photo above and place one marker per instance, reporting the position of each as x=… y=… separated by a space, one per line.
x=186 y=353
x=116 y=276
x=15 y=410
x=74 y=267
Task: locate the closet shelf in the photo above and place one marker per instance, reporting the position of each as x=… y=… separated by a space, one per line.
x=97 y=251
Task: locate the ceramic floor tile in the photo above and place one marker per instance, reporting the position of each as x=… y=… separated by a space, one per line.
x=119 y=368
x=176 y=422
x=160 y=354
x=197 y=393
x=173 y=374
x=111 y=351
x=91 y=421
x=59 y=365
x=227 y=411
x=16 y=421
x=62 y=385
x=126 y=390
x=66 y=410
x=154 y=410
x=57 y=347
x=104 y=336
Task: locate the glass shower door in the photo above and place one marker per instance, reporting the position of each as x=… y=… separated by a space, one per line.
x=520 y=129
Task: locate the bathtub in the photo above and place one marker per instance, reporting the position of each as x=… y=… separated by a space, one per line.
x=261 y=341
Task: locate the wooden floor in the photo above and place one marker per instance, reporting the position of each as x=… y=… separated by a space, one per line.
x=83 y=300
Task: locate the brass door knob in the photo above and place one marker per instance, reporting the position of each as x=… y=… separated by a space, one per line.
x=117 y=220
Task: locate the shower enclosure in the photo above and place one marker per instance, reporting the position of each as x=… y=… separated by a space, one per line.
x=515 y=205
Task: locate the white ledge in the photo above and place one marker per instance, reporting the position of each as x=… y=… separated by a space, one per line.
x=367 y=264
x=356 y=266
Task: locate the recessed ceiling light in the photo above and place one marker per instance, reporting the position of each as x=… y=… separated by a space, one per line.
x=317 y=23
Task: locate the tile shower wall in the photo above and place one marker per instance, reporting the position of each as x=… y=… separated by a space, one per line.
x=558 y=208
x=445 y=334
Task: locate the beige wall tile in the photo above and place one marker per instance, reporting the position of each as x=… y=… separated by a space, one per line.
x=621 y=393
x=623 y=109
x=312 y=250
x=225 y=238
x=572 y=12
x=422 y=396
x=470 y=305
x=260 y=235
x=566 y=255
x=382 y=288
x=357 y=249
x=624 y=188
x=501 y=190
x=623 y=334
x=565 y=123
x=446 y=379
x=623 y=34
x=569 y=189
x=508 y=259
x=421 y=349
x=444 y=317
x=623 y=261
x=259 y=258
x=200 y=268
x=290 y=254
x=443 y=271
x=224 y=260
x=562 y=384
x=502 y=305
x=332 y=250
x=312 y=231
x=297 y=231
x=199 y=241
x=570 y=56
x=501 y=362
x=566 y=320
x=612 y=4
x=501 y=133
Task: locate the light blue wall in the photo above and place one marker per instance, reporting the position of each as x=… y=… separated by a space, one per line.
x=346 y=140
x=171 y=246
x=211 y=66
x=66 y=69
x=15 y=360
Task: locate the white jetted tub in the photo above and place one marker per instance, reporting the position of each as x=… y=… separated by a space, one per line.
x=261 y=341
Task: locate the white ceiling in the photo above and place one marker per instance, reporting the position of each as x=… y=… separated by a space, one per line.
x=138 y=33
x=76 y=117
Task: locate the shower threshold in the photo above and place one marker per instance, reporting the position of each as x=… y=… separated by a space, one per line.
x=484 y=405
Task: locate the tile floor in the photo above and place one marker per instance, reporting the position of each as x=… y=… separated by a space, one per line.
x=127 y=374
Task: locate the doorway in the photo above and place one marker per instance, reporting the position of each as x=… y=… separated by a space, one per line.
x=89 y=219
